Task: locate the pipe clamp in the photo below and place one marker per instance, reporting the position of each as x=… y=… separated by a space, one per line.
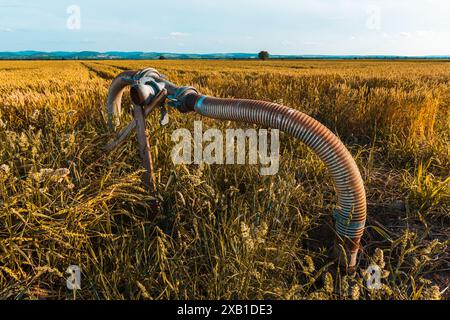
x=176 y=100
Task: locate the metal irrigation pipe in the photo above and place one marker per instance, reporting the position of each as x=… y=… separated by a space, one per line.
x=150 y=89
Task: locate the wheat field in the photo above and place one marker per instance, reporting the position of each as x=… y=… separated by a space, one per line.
x=224 y=231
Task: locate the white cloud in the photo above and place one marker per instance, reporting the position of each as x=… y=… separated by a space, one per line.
x=312 y=43
x=178 y=34
x=425 y=33
x=2 y=29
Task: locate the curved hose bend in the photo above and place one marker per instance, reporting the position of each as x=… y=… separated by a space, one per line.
x=114 y=101
x=350 y=214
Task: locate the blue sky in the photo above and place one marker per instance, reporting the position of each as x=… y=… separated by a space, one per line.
x=399 y=27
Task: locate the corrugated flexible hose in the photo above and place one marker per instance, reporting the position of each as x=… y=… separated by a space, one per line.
x=350 y=213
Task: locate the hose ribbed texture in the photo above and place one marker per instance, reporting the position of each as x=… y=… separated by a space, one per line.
x=350 y=214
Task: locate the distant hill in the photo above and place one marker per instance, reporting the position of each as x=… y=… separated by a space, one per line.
x=138 y=55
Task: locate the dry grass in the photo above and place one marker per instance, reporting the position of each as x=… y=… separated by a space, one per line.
x=225 y=232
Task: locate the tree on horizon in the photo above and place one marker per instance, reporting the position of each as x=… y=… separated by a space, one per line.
x=263 y=55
